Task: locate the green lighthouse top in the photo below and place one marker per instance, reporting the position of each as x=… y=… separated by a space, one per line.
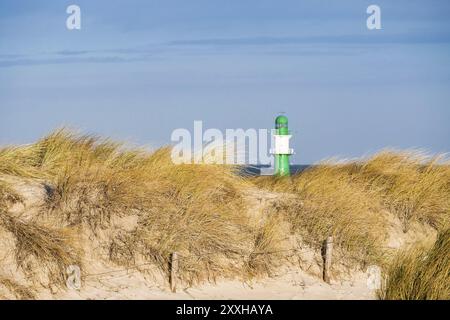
x=281 y=125
x=281 y=120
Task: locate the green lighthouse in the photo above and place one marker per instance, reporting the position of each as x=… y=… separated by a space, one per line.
x=282 y=151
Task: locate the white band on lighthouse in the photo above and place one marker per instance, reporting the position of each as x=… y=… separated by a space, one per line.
x=282 y=145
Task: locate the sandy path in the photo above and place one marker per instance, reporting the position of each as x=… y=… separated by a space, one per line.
x=292 y=285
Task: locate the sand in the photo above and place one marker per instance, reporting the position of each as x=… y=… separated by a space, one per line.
x=293 y=285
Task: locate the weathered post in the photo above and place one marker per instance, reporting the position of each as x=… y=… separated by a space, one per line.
x=173 y=272
x=328 y=256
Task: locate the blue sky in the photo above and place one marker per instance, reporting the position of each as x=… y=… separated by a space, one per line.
x=137 y=70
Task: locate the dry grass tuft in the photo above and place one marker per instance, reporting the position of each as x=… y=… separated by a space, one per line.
x=19 y=291
x=50 y=248
x=197 y=210
x=348 y=199
x=269 y=250
x=92 y=196
x=209 y=236
x=415 y=186
x=8 y=196
x=420 y=273
x=327 y=201
x=19 y=161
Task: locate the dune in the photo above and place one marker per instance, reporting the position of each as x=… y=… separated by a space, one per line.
x=119 y=214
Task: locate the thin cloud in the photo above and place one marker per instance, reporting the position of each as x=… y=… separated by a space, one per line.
x=334 y=45
x=49 y=61
x=72 y=52
x=333 y=39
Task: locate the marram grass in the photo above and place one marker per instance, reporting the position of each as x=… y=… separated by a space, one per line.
x=420 y=273
x=201 y=211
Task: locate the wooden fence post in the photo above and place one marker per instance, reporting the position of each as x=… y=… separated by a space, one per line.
x=328 y=256
x=174 y=272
